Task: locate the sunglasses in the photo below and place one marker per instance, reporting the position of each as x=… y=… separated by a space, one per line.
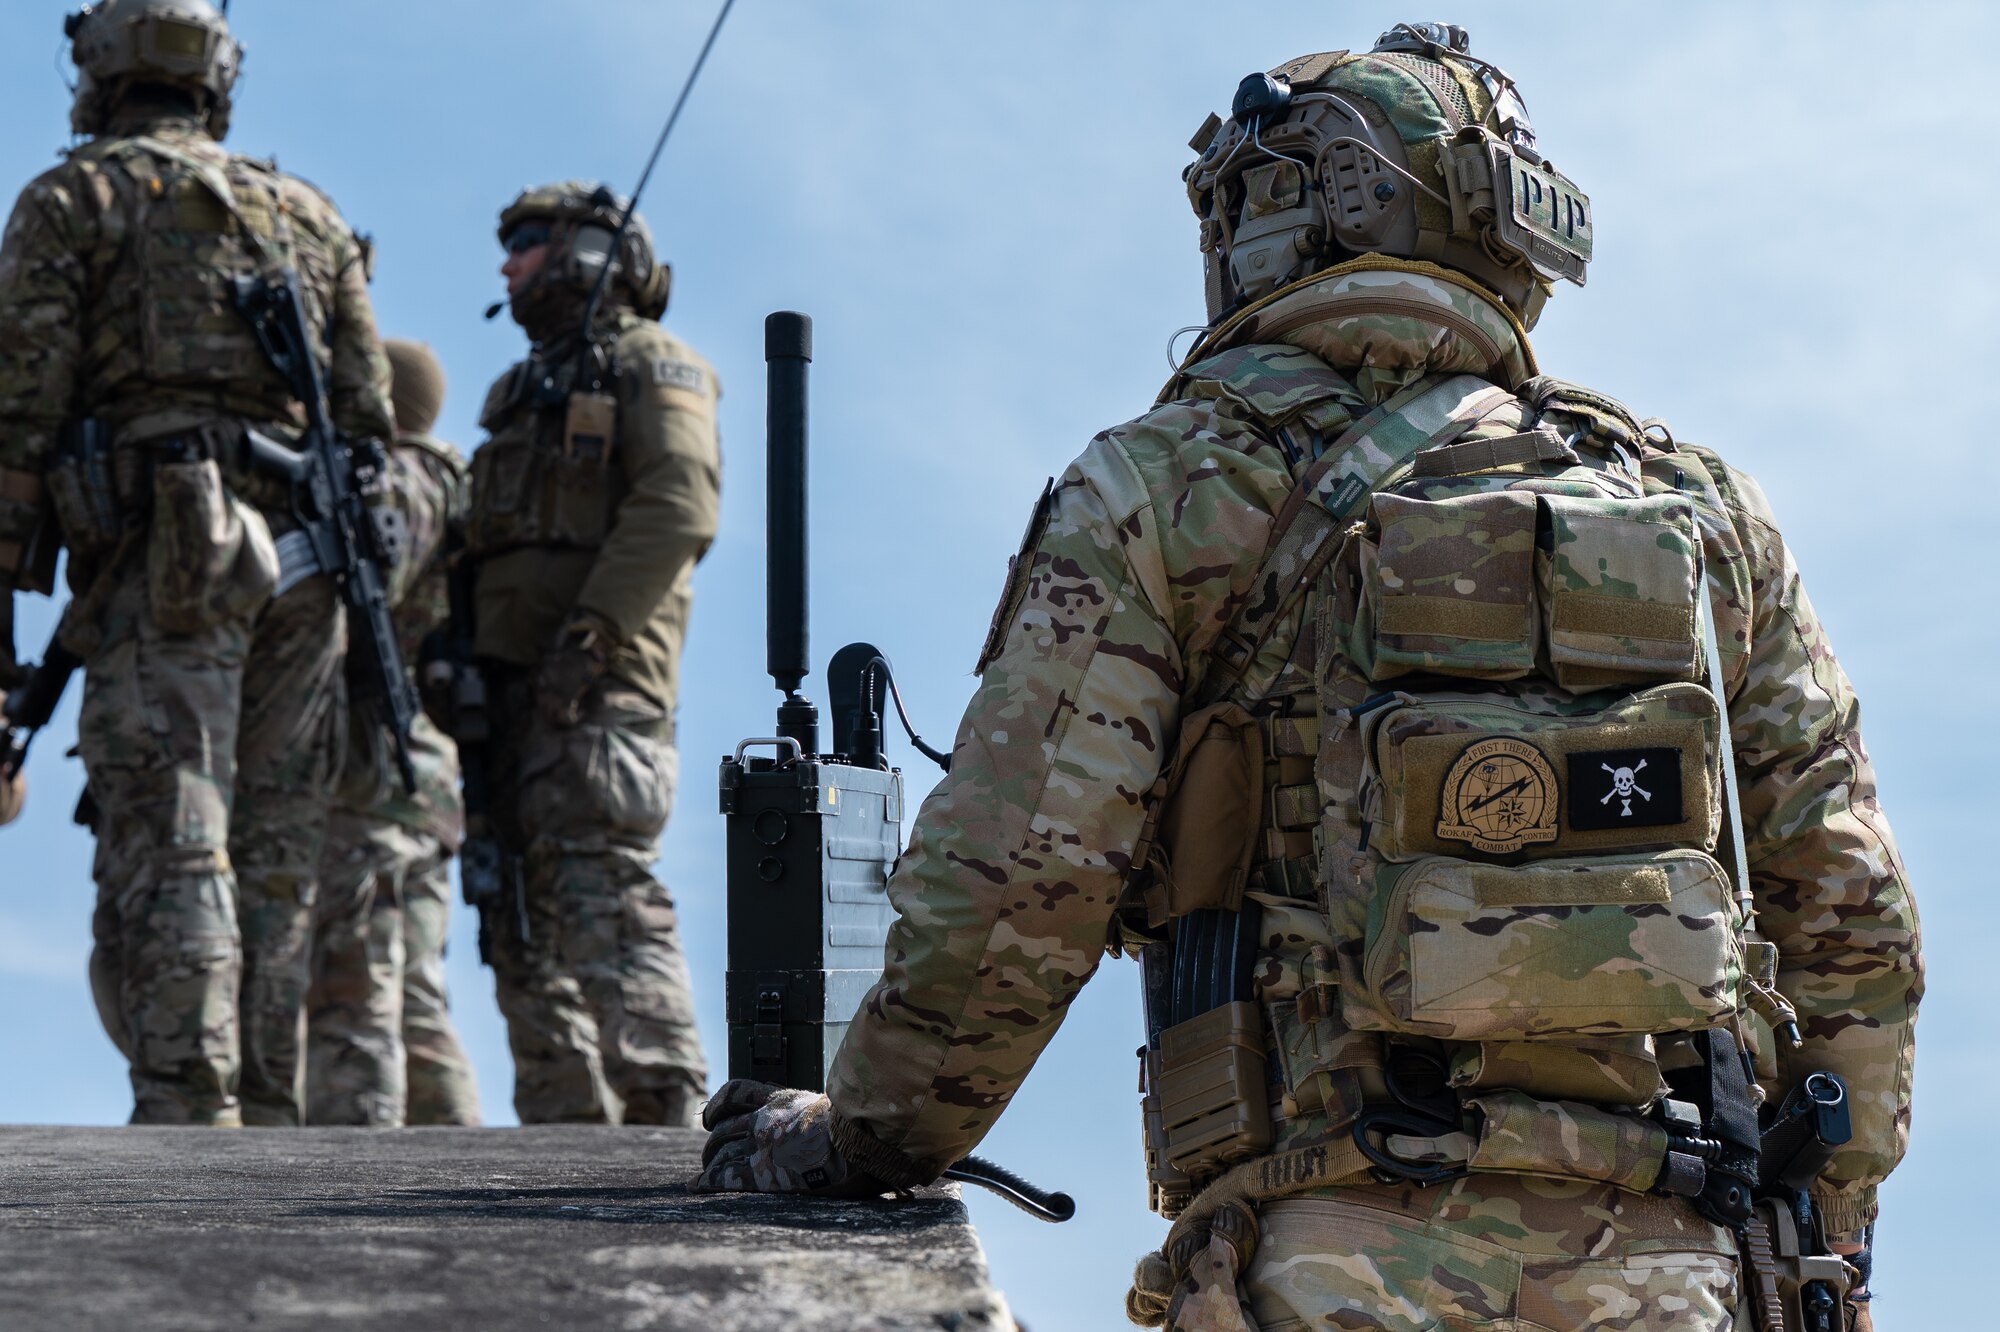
x=526 y=237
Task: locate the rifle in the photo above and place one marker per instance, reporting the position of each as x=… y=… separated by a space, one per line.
x=336 y=535
x=452 y=674
x=30 y=705
x=812 y=836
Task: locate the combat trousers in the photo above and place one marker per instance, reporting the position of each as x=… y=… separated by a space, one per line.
x=442 y=1087
x=588 y=966
x=211 y=758
x=380 y=1048
x=1493 y=1252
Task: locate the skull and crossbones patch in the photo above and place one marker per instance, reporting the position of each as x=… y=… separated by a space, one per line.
x=1624 y=788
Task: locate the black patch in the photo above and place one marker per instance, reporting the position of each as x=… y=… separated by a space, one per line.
x=1624 y=788
x=817 y=1177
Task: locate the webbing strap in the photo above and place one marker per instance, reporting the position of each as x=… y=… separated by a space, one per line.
x=1366 y=456
x=1490 y=455
x=211 y=176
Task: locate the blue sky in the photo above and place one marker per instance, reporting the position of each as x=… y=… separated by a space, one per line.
x=981 y=208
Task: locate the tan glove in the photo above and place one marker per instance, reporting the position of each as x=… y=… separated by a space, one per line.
x=766 y=1139
x=13 y=795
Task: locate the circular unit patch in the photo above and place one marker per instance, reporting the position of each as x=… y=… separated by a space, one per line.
x=1501 y=795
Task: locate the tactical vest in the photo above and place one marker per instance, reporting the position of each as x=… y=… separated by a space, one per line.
x=548 y=473
x=190 y=220
x=1489 y=890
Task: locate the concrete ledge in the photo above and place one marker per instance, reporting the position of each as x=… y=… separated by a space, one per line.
x=550 y=1227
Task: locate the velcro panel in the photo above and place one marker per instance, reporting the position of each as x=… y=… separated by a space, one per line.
x=1623 y=885
x=1547 y=786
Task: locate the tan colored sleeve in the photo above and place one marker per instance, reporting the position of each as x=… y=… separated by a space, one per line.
x=672 y=462
x=1830 y=886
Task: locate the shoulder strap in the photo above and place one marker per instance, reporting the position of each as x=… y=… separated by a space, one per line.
x=216 y=181
x=1372 y=452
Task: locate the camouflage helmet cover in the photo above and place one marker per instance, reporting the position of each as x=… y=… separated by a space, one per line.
x=582 y=219
x=179 y=43
x=1417 y=149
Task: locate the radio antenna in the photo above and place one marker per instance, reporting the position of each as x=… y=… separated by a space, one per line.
x=632 y=205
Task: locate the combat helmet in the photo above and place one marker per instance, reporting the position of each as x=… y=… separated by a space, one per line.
x=582 y=221
x=1417 y=149
x=178 y=43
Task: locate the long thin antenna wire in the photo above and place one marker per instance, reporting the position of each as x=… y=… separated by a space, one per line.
x=660 y=146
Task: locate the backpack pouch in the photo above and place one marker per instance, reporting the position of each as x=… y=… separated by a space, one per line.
x=1449 y=587
x=1618 y=584
x=1459 y=775
x=1605 y=1070
x=1612 y=946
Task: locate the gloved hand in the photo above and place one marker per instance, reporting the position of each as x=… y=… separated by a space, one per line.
x=568 y=672
x=766 y=1139
x=13 y=795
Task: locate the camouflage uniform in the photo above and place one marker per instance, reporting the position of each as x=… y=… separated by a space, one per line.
x=378 y=1005
x=599 y=541
x=1146 y=549
x=1291 y=662
x=210 y=711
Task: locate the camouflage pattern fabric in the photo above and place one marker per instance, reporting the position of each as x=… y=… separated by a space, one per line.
x=1486 y=1252
x=442 y=1088
x=609 y=541
x=603 y=537
x=383 y=842
x=200 y=965
x=354 y=1015
x=1141 y=556
x=771 y=1139
x=211 y=751
x=596 y=995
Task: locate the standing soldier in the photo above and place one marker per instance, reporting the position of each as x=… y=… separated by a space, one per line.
x=378 y=1005
x=592 y=499
x=212 y=707
x=1368 y=687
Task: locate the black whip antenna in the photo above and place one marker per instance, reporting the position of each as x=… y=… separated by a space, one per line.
x=632 y=204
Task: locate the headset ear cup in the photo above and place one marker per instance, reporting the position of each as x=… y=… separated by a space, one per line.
x=653 y=300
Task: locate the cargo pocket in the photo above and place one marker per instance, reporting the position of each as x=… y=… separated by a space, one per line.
x=209 y=558
x=1618 y=946
x=1618 y=585
x=1449 y=587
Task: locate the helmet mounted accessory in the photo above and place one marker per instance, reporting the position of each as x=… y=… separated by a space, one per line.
x=185 y=45
x=601 y=234
x=1417 y=149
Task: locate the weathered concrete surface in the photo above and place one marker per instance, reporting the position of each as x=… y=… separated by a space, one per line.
x=494 y=1229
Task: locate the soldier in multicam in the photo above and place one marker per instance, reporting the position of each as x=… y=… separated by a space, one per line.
x=380 y=1046
x=212 y=708
x=1341 y=488
x=594 y=495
